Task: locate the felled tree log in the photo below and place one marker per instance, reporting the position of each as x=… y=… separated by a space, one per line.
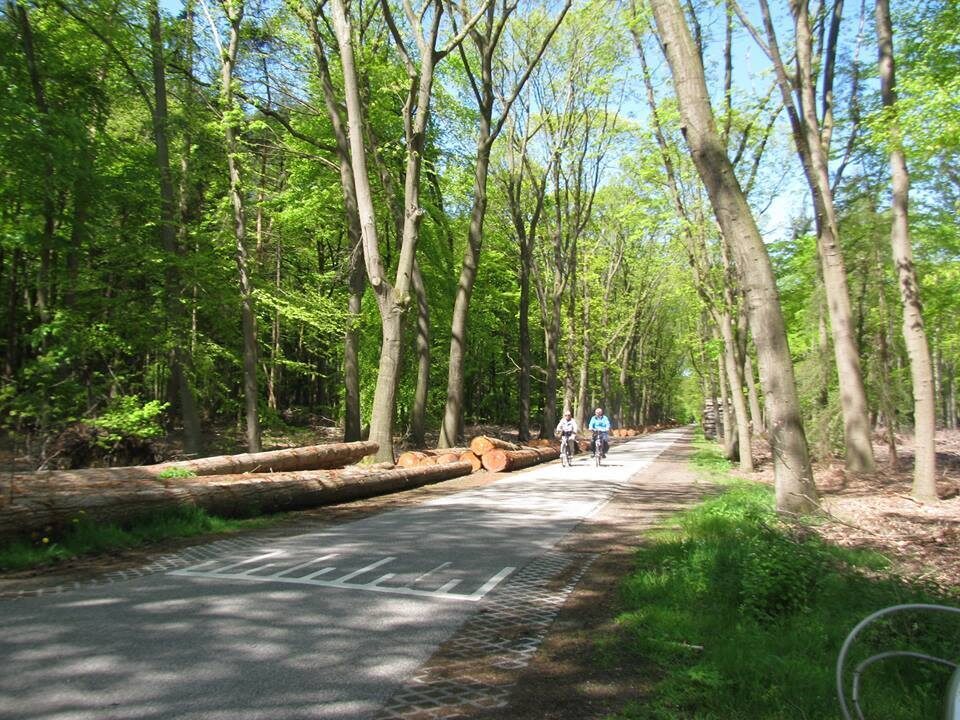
x=311 y=457
x=544 y=442
x=483 y=444
x=449 y=457
x=413 y=458
x=498 y=460
x=31 y=511
x=471 y=457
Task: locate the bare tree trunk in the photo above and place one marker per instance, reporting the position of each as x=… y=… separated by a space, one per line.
x=793 y=476
x=551 y=342
x=486 y=39
x=42 y=301
x=418 y=412
x=581 y=411
x=234 y=11
x=393 y=299
x=192 y=434
x=914 y=334
x=731 y=445
x=735 y=377
x=453 y=410
x=756 y=414
x=525 y=230
x=526 y=260
x=886 y=381
x=357 y=281
x=812 y=147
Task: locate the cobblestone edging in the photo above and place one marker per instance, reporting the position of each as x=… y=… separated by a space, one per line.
x=500 y=639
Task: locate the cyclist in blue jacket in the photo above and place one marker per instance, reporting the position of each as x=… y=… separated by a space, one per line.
x=600 y=423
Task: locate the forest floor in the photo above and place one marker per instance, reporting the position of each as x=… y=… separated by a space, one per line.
x=564 y=681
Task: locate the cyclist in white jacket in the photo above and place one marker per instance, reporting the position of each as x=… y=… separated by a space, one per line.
x=566 y=429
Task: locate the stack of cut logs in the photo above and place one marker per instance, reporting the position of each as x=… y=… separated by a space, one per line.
x=487 y=453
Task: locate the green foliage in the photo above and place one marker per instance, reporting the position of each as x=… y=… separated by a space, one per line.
x=127 y=416
x=175 y=473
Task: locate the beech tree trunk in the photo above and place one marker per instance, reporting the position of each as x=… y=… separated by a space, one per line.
x=734 y=372
x=418 y=411
x=486 y=38
x=179 y=362
x=731 y=446
x=234 y=11
x=351 y=340
x=756 y=414
x=914 y=334
x=812 y=144
x=793 y=476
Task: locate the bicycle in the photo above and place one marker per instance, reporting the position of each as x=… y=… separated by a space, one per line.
x=566 y=458
x=951 y=702
x=598 y=447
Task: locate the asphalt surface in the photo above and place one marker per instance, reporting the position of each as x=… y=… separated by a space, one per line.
x=314 y=625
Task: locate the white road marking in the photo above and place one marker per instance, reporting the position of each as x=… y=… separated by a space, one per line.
x=250 y=560
x=368 y=568
x=306 y=564
x=441 y=593
x=441 y=566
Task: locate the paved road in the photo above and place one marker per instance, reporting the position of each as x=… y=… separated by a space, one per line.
x=314 y=625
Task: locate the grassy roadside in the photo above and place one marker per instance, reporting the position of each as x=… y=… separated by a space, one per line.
x=740 y=615
x=88 y=538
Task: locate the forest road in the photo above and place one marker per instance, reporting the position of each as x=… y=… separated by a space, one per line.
x=328 y=624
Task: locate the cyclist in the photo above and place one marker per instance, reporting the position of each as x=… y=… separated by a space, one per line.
x=600 y=423
x=566 y=430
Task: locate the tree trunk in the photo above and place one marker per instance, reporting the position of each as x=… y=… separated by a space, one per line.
x=453 y=409
x=914 y=334
x=735 y=377
x=418 y=412
x=731 y=444
x=192 y=434
x=793 y=476
x=223 y=495
x=756 y=414
x=812 y=147
x=357 y=281
x=580 y=410
x=551 y=338
x=526 y=260
x=234 y=11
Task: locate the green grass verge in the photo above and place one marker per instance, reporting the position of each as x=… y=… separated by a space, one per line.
x=89 y=538
x=737 y=615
